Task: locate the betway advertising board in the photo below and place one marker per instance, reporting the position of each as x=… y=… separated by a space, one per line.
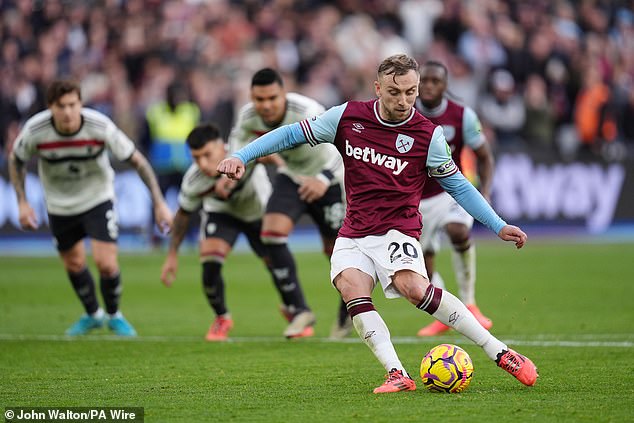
x=593 y=194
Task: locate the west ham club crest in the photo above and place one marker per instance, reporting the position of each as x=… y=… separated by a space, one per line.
x=404 y=143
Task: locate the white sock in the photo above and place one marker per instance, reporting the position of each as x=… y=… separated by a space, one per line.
x=464 y=265
x=116 y=315
x=98 y=314
x=438 y=281
x=374 y=332
x=452 y=312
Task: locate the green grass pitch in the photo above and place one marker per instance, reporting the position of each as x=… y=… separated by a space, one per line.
x=570 y=307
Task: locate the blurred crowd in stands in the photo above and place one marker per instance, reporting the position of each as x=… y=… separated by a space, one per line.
x=551 y=75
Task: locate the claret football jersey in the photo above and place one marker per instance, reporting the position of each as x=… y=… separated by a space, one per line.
x=386 y=165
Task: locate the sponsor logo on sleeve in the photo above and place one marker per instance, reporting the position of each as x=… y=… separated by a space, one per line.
x=446 y=169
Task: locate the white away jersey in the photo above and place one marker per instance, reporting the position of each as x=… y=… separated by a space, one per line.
x=74 y=169
x=301 y=160
x=247 y=201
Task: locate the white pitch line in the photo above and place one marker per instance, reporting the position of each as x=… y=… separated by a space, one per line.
x=536 y=342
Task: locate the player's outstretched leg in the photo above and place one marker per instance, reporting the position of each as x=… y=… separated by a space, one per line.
x=481 y=318
x=374 y=332
x=84 y=287
x=445 y=307
x=519 y=366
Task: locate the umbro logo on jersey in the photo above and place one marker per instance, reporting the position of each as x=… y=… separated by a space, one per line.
x=370 y=155
x=357 y=127
x=404 y=143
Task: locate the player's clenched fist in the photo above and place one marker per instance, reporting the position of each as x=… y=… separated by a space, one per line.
x=232 y=167
x=513 y=234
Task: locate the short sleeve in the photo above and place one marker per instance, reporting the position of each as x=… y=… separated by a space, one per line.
x=439 y=161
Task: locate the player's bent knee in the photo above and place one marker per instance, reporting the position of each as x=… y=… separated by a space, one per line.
x=411 y=285
x=74 y=266
x=74 y=263
x=107 y=265
x=108 y=269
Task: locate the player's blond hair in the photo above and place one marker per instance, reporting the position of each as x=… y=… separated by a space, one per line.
x=397 y=65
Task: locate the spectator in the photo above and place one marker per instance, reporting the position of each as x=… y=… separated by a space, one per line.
x=540 y=121
x=503 y=109
x=168 y=123
x=593 y=118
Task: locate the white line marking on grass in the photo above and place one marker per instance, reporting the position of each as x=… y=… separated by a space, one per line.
x=536 y=341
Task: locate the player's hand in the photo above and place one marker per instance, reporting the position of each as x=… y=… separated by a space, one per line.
x=163 y=217
x=224 y=186
x=311 y=188
x=232 y=167
x=514 y=234
x=170 y=267
x=28 y=220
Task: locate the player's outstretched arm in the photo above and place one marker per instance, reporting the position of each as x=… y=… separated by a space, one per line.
x=162 y=213
x=513 y=234
x=282 y=138
x=179 y=229
x=17 y=174
x=472 y=201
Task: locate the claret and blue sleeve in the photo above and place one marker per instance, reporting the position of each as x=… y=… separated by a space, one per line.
x=320 y=129
x=446 y=172
x=282 y=138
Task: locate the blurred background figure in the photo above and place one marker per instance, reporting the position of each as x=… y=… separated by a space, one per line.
x=503 y=110
x=539 y=126
x=594 y=117
x=168 y=122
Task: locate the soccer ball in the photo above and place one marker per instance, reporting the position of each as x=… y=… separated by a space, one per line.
x=446 y=368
